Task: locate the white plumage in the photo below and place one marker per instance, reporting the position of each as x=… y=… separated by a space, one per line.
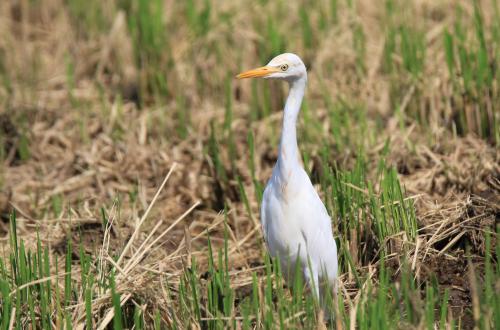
x=295 y=222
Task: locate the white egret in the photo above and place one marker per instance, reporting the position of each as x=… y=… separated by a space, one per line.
x=296 y=224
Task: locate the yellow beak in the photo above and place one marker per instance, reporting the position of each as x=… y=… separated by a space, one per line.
x=259 y=72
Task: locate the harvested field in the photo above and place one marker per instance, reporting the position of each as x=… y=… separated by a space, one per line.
x=133 y=163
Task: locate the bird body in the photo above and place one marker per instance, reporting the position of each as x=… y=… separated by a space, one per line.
x=295 y=223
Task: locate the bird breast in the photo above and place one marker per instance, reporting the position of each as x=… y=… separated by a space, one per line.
x=285 y=210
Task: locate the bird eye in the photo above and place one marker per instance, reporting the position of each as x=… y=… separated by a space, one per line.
x=284 y=67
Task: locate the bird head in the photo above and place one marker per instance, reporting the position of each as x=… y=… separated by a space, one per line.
x=286 y=66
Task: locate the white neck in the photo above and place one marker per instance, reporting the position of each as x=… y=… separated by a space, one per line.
x=288 y=157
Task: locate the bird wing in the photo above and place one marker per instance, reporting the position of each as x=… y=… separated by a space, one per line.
x=299 y=217
x=317 y=228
